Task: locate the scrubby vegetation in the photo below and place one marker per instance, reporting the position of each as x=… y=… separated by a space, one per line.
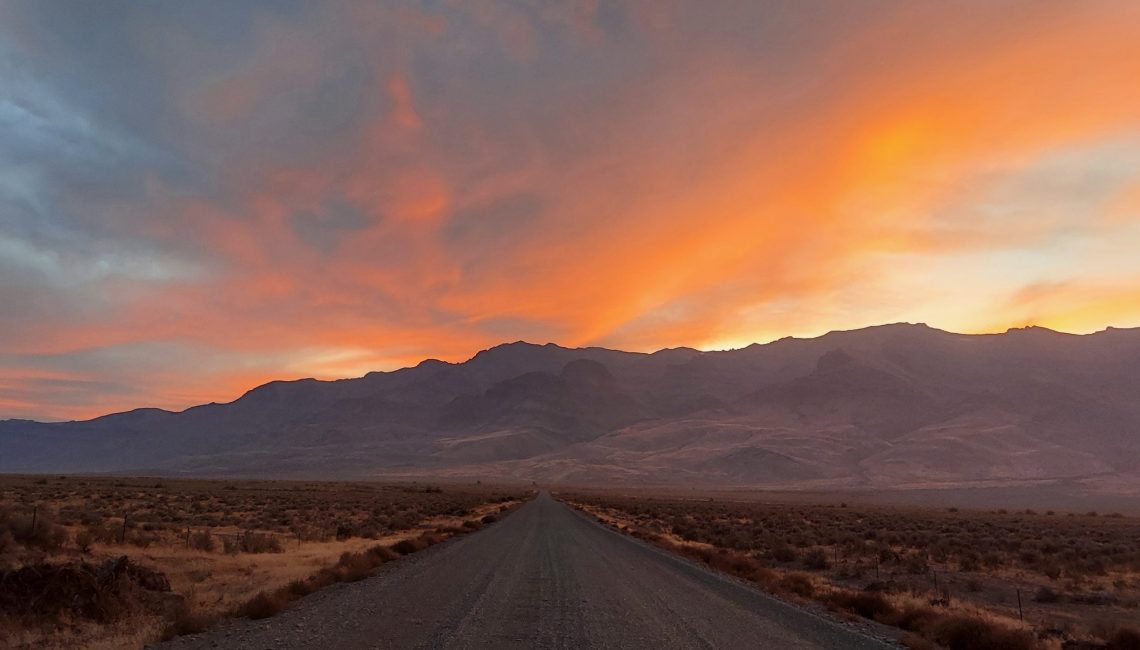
x=92 y=559
x=948 y=577
x=102 y=593
x=236 y=517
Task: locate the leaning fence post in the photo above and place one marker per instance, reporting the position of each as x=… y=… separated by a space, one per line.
x=35 y=511
x=1020 y=614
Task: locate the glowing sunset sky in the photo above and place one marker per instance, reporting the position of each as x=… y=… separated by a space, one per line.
x=198 y=197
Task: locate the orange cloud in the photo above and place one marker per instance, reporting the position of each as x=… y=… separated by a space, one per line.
x=403 y=111
x=665 y=185
x=1079 y=307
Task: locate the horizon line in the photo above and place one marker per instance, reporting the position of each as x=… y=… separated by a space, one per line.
x=923 y=325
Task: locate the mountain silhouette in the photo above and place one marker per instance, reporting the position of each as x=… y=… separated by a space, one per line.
x=893 y=405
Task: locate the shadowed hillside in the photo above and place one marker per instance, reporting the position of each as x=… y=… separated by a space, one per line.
x=884 y=406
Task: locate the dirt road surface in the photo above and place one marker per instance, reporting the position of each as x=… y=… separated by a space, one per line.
x=545 y=577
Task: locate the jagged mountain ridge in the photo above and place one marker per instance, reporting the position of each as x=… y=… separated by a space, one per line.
x=882 y=406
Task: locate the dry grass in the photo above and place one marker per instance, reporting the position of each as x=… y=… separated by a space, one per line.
x=217 y=582
x=949 y=577
x=226 y=547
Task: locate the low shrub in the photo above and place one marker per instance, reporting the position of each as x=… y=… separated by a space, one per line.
x=184 y=619
x=37 y=530
x=414 y=544
x=784 y=553
x=83 y=540
x=142 y=538
x=406 y=546
x=872 y=605
x=251 y=542
x=355 y=566
x=202 y=541
x=888 y=586
x=816 y=560
x=796 y=583
x=970 y=633
x=301 y=588
x=914 y=619
x=264 y=605
x=103 y=593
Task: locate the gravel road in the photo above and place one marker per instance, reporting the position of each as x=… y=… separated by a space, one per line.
x=544 y=577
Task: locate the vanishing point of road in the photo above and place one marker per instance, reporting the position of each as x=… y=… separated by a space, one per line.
x=543 y=577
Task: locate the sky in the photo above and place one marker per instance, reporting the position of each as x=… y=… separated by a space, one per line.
x=197 y=197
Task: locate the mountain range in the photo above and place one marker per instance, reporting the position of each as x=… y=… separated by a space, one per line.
x=887 y=406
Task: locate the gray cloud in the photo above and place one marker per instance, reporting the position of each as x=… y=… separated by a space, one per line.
x=326 y=227
x=361 y=173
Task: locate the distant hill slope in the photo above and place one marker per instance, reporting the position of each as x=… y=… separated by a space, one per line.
x=895 y=405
